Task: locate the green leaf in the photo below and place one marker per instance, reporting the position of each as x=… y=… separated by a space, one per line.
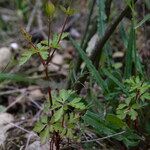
x=76 y=103
x=69 y=133
x=128 y=100
x=146 y=18
x=54 y=43
x=133 y=114
x=121 y=106
x=114 y=120
x=97 y=123
x=90 y=67
x=44 y=119
x=135 y=106
x=58 y=114
x=112 y=77
x=145 y=96
x=65 y=94
x=129 y=53
x=101 y=17
x=68 y=11
x=44 y=54
x=45 y=134
x=64 y=35
x=16 y=78
x=101 y=127
x=58 y=127
x=121 y=113
x=123 y=35
x=25 y=57
x=39 y=126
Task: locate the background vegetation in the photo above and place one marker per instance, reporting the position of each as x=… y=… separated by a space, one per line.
x=74 y=74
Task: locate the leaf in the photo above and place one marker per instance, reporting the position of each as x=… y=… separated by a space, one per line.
x=39 y=126
x=97 y=123
x=65 y=94
x=68 y=11
x=25 y=57
x=45 y=134
x=44 y=54
x=109 y=75
x=145 y=96
x=90 y=67
x=121 y=106
x=146 y=18
x=123 y=35
x=16 y=78
x=58 y=114
x=101 y=17
x=114 y=120
x=58 y=127
x=121 y=113
x=76 y=103
x=133 y=114
x=101 y=127
x=54 y=43
x=129 y=53
x=69 y=133
x=64 y=35
x=135 y=106
x=44 y=119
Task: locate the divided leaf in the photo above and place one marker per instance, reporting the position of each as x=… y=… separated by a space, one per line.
x=58 y=114
x=25 y=57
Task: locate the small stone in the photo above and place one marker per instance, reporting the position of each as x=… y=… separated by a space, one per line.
x=58 y=59
x=36 y=94
x=5 y=57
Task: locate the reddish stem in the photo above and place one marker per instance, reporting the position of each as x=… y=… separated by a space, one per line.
x=61 y=33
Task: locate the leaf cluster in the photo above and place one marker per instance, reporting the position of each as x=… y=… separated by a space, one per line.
x=135 y=98
x=67 y=108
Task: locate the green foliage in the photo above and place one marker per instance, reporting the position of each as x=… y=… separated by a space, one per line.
x=91 y=67
x=111 y=126
x=16 y=78
x=129 y=53
x=67 y=108
x=101 y=17
x=146 y=18
x=121 y=101
x=41 y=48
x=134 y=99
x=25 y=57
x=56 y=38
x=68 y=11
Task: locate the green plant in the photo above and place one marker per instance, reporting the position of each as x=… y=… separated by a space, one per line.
x=134 y=99
x=64 y=121
x=62 y=110
x=122 y=97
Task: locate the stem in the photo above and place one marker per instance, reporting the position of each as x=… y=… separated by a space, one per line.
x=62 y=30
x=49 y=88
x=88 y=22
x=49 y=30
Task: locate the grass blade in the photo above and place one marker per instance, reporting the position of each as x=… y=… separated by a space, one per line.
x=129 y=53
x=146 y=18
x=90 y=66
x=109 y=75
